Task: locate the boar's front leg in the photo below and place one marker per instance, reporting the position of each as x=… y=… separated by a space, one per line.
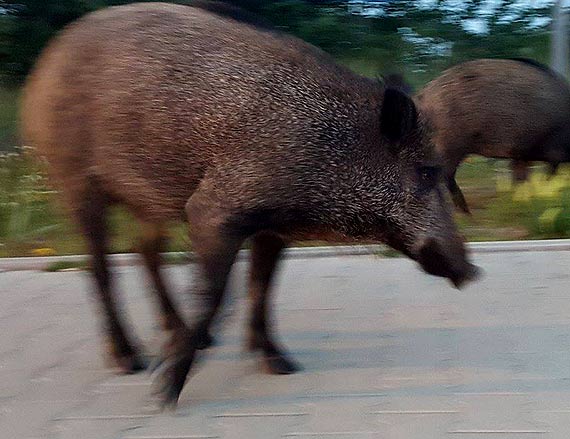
x=265 y=252
x=216 y=238
x=457 y=195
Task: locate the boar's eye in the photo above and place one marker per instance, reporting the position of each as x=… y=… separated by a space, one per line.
x=428 y=176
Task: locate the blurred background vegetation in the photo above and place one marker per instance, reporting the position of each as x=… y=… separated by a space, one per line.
x=418 y=38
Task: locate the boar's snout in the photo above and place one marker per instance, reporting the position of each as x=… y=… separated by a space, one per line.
x=446 y=260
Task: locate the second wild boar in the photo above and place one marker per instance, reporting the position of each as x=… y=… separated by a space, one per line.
x=247 y=133
x=502 y=108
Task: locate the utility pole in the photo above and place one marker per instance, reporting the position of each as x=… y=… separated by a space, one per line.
x=559 y=43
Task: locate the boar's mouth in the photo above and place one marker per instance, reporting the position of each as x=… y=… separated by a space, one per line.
x=439 y=258
x=435 y=260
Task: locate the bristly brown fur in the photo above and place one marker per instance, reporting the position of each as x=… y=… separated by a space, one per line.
x=245 y=132
x=514 y=109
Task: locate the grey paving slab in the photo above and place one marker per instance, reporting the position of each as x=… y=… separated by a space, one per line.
x=387 y=352
x=93 y=428
x=31 y=418
x=429 y=417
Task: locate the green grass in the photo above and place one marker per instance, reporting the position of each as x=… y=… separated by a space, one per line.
x=176 y=258
x=537 y=209
x=31 y=222
x=389 y=253
x=66 y=266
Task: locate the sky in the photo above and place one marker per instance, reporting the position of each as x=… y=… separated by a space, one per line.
x=486 y=10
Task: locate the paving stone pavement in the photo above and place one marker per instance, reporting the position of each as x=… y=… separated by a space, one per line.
x=388 y=352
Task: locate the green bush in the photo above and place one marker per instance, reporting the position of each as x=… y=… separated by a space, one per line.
x=542 y=204
x=25 y=201
x=33 y=222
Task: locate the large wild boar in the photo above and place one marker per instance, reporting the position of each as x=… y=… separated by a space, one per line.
x=174 y=111
x=515 y=109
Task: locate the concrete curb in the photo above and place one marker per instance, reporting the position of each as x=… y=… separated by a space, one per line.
x=131 y=259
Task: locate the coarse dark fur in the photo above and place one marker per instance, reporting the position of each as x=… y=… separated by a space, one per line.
x=515 y=109
x=249 y=134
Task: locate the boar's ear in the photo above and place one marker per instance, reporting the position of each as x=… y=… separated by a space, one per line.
x=399 y=115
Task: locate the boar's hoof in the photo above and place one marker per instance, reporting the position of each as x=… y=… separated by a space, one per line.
x=463 y=207
x=122 y=354
x=275 y=360
x=133 y=364
x=170 y=379
x=280 y=365
x=205 y=342
x=130 y=363
x=171 y=372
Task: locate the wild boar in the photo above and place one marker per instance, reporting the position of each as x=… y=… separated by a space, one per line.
x=245 y=132
x=515 y=109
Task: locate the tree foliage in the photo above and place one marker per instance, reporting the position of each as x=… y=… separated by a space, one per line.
x=407 y=36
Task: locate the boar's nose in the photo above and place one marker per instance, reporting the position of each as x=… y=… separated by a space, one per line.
x=447 y=259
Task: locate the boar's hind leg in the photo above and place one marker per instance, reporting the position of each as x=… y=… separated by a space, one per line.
x=216 y=238
x=520 y=171
x=91 y=217
x=153 y=241
x=265 y=254
x=457 y=196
